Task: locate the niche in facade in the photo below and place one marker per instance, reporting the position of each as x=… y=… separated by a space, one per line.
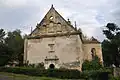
x=59 y=29
x=51 y=48
x=93 y=53
x=51 y=27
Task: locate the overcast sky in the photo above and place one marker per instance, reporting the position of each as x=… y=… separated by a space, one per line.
x=90 y=15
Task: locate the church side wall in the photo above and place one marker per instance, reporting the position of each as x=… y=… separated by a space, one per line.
x=87 y=51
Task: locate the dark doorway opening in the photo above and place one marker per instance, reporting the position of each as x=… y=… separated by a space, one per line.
x=52 y=66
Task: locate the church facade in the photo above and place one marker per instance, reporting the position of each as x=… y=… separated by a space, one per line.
x=57 y=43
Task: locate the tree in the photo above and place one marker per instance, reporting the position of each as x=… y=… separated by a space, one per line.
x=15 y=42
x=2 y=35
x=111 y=45
x=4 y=51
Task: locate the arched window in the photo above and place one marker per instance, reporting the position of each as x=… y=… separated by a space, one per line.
x=93 y=53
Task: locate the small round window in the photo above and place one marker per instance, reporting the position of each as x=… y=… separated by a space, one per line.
x=51 y=17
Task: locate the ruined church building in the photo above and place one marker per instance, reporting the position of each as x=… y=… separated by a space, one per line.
x=58 y=44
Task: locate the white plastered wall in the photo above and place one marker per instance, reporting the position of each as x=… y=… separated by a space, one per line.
x=67 y=48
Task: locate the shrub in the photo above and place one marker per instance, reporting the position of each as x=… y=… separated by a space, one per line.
x=31 y=65
x=114 y=78
x=3 y=60
x=96 y=75
x=92 y=65
x=40 y=65
x=58 y=73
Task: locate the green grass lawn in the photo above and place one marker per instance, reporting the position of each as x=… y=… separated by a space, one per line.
x=11 y=76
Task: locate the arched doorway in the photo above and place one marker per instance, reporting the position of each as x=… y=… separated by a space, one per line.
x=52 y=66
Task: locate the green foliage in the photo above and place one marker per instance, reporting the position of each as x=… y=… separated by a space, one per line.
x=4 y=50
x=92 y=65
x=31 y=65
x=114 y=78
x=59 y=73
x=15 y=42
x=40 y=65
x=111 y=45
x=2 y=35
x=12 y=76
x=11 y=46
x=96 y=75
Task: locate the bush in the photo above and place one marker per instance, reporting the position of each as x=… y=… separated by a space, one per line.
x=40 y=65
x=31 y=65
x=114 y=78
x=58 y=73
x=91 y=65
x=3 y=60
x=96 y=75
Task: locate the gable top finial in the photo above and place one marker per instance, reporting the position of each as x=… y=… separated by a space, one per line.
x=52 y=6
